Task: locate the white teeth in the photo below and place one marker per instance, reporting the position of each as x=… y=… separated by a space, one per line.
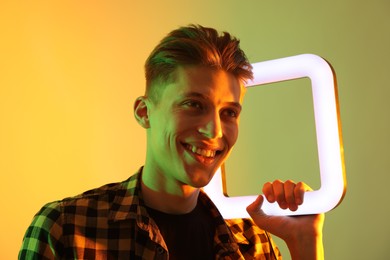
x=203 y=152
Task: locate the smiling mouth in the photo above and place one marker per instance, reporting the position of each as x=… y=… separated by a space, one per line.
x=207 y=153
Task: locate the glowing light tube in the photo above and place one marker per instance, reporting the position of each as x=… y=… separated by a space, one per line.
x=328 y=130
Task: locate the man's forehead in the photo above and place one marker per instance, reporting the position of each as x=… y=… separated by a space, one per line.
x=208 y=81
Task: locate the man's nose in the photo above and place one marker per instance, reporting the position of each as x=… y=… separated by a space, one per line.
x=211 y=127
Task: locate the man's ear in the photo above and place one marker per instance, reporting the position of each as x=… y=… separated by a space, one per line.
x=141 y=112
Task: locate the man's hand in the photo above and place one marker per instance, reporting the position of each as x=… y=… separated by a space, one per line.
x=302 y=234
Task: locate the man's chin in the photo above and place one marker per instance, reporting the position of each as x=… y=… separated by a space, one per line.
x=200 y=182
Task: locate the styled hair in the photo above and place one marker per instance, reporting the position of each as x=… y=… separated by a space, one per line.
x=195 y=45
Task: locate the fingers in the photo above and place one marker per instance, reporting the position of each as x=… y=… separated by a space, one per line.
x=292 y=230
x=289 y=195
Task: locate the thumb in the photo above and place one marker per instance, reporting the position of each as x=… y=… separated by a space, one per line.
x=254 y=209
x=264 y=221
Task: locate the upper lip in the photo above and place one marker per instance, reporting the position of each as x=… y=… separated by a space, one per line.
x=205 y=146
x=204 y=149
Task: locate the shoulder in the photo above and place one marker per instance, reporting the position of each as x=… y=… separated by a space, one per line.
x=53 y=214
x=44 y=237
x=101 y=191
x=47 y=215
x=97 y=196
x=41 y=240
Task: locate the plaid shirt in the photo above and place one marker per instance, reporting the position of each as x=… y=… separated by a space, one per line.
x=111 y=222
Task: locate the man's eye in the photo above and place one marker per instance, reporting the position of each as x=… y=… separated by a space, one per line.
x=230 y=113
x=193 y=104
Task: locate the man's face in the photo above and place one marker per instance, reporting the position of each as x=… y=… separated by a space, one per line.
x=194 y=125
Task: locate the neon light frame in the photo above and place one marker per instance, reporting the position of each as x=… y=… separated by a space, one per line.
x=328 y=131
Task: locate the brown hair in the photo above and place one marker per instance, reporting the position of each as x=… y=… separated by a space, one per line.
x=195 y=45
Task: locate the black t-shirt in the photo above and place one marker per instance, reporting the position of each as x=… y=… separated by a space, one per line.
x=188 y=236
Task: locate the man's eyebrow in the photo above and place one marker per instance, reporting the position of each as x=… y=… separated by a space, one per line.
x=236 y=105
x=194 y=94
x=200 y=95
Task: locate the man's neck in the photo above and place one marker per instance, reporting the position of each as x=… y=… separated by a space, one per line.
x=173 y=198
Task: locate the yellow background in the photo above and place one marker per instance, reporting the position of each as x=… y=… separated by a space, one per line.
x=70 y=70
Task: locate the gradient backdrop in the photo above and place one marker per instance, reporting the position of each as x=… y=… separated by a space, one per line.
x=70 y=70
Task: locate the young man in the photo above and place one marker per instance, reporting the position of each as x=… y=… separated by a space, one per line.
x=194 y=90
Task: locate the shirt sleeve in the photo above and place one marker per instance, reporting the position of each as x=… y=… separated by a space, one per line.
x=42 y=239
